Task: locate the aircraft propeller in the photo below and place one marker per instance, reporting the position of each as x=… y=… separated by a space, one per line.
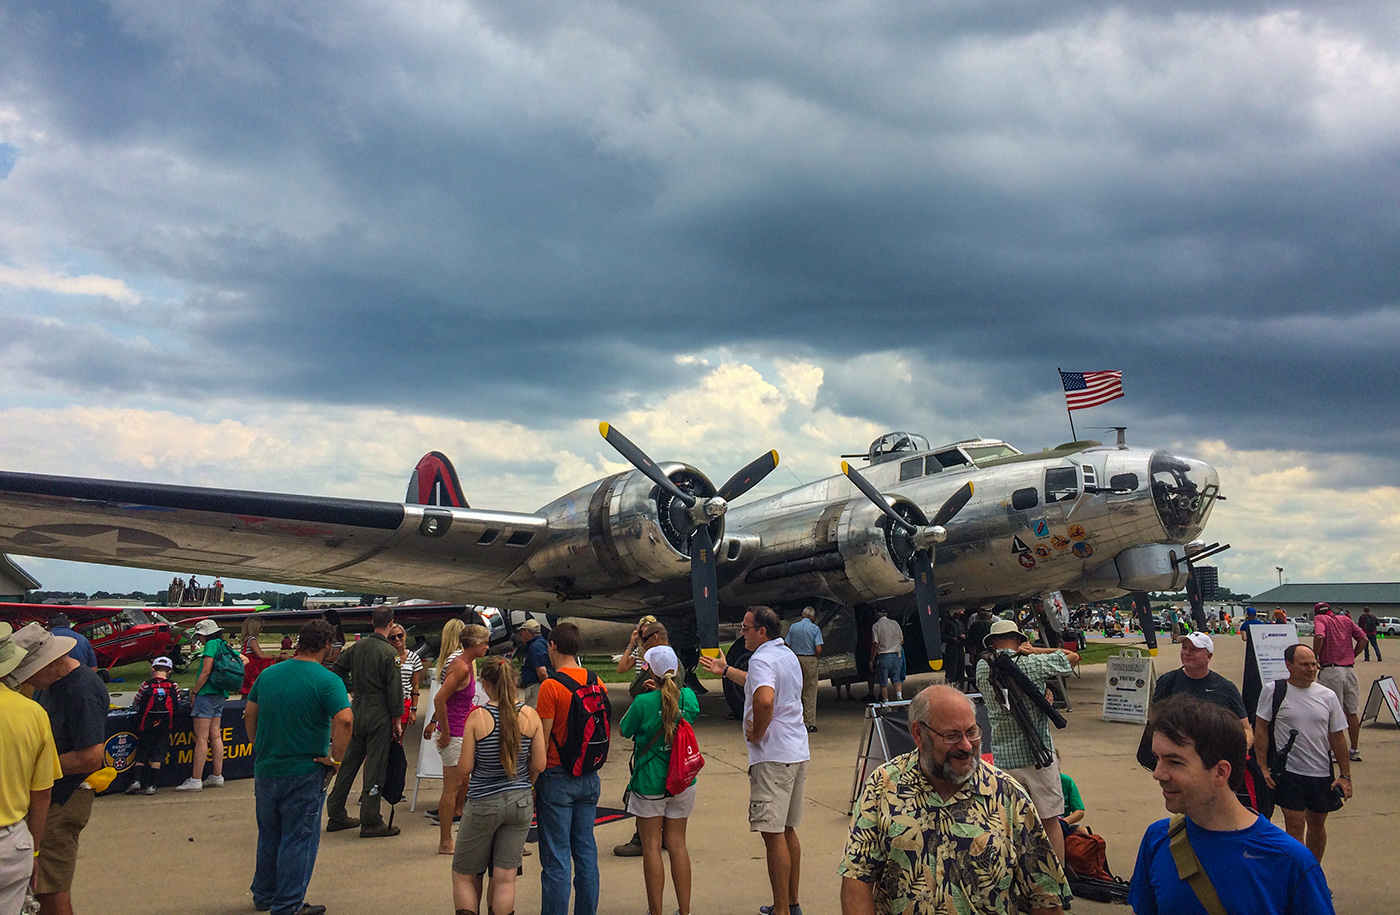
x=924 y=538
x=702 y=512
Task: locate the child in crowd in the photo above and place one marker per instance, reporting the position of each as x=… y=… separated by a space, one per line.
x=155 y=706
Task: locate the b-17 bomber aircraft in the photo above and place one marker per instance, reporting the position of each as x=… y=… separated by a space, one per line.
x=969 y=524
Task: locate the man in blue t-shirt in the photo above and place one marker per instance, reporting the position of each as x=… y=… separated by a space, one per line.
x=805 y=639
x=534 y=670
x=1252 y=865
x=299 y=720
x=60 y=624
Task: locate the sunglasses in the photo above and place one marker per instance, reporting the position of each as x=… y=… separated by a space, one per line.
x=397 y=638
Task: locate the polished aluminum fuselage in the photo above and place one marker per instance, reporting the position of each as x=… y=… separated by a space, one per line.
x=615 y=547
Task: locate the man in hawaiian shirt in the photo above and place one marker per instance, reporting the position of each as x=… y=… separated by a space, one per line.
x=939 y=831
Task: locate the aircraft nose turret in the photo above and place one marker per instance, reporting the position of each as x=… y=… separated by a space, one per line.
x=1184 y=490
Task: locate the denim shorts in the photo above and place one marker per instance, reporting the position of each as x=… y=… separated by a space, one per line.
x=208 y=707
x=889 y=668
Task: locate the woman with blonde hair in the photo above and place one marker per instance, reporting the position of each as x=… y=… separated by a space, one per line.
x=651 y=722
x=454 y=701
x=503 y=750
x=255 y=660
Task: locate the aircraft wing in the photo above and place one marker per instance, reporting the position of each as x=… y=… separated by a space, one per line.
x=19 y=614
x=351 y=544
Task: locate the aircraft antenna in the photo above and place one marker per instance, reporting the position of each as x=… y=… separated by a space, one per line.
x=970 y=425
x=800 y=481
x=1122 y=434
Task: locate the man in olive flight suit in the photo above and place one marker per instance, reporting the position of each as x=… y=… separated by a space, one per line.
x=371 y=671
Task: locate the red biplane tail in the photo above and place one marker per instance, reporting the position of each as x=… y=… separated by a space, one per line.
x=434 y=482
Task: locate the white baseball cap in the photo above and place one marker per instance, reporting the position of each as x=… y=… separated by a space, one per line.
x=162 y=661
x=1201 y=640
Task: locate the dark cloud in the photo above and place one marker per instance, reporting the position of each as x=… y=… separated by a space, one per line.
x=515 y=211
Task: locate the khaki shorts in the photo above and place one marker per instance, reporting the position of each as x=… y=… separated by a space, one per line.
x=1043 y=785
x=775 y=795
x=451 y=753
x=1342 y=681
x=670 y=806
x=58 y=852
x=493 y=831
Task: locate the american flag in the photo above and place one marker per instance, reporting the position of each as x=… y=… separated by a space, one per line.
x=1089 y=389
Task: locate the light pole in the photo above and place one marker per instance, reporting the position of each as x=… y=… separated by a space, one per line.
x=1279 y=569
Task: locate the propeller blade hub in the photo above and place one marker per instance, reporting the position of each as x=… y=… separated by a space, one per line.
x=927 y=537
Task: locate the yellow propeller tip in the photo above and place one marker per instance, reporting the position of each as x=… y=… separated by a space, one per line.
x=845 y=468
x=775 y=458
x=603 y=428
x=710 y=652
x=935 y=665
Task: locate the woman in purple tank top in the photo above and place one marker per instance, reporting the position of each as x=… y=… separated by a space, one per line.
x=451 y=706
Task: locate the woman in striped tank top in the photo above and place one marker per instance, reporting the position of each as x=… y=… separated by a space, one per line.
x=503 y=750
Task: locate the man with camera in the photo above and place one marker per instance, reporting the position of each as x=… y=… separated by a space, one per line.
x=1308 y=729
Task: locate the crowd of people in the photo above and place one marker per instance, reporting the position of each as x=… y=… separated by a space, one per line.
x=522 y=746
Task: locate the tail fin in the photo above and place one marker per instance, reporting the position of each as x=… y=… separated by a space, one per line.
x=434 y=482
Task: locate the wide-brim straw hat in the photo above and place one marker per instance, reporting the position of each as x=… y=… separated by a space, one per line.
x=41 y=649
x=1001 y=628
x=10 y=653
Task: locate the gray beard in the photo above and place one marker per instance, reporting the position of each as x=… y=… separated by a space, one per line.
x=943 y=771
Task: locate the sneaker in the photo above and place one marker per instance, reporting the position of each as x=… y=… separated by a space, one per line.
x=190 y=784
x=811 y=729
x=309 y=909
x=768 y=910
x=135 y=788
x=214 y=781
x=431 y=814
x=1356 y=756
x=150 y=790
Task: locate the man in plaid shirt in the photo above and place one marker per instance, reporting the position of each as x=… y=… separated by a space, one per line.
x=1012 y=748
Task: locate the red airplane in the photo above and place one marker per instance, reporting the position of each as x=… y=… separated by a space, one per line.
x=119 y=635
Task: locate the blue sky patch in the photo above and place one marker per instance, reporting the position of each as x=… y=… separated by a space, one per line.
x=8 y=155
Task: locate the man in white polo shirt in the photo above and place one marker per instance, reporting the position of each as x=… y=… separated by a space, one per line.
x=778 y=752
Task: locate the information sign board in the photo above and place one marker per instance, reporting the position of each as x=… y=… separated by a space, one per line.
x=1127 y=687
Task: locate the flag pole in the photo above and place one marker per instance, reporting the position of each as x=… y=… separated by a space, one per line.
x=1073 y=436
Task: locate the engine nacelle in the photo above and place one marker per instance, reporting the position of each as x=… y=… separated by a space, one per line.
x=616 y=532
x=1146 y=567
x=876 y=552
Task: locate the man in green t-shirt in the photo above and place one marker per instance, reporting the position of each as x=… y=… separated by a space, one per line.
x=299 y=720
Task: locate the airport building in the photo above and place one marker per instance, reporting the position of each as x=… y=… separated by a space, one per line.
x=1383 y=597
x=14 y=581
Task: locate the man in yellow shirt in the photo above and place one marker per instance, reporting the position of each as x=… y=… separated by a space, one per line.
x=28 y=768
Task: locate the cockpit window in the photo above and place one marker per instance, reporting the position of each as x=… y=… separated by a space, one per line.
x=980 y=453
x=931 y=465
x=952 y=458
x=1183 y=491
x=1061 y=484
x=911 y=470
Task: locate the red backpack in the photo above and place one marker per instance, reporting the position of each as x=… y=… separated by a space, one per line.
x=589 y=726
x=159 y=708
x=686 y=761
x=1087 y=854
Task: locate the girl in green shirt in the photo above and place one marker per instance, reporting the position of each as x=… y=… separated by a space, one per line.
x=651 y=722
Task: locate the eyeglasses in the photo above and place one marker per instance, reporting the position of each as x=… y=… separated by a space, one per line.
x=397 y=638
x=953 y=738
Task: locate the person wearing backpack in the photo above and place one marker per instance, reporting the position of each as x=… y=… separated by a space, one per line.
x=1214 y=855
x=217 y=678
x=575 y=712
x=653 y=721
x=155 y=706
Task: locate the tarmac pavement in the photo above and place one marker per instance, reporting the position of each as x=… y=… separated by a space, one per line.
x=193 y=853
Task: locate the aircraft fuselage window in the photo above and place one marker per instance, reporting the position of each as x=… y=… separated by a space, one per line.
x=1023 y=499
x=911 y=470
x=951 y=458
x=1061 y=484
x=1124 y=481
x=931 y=465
